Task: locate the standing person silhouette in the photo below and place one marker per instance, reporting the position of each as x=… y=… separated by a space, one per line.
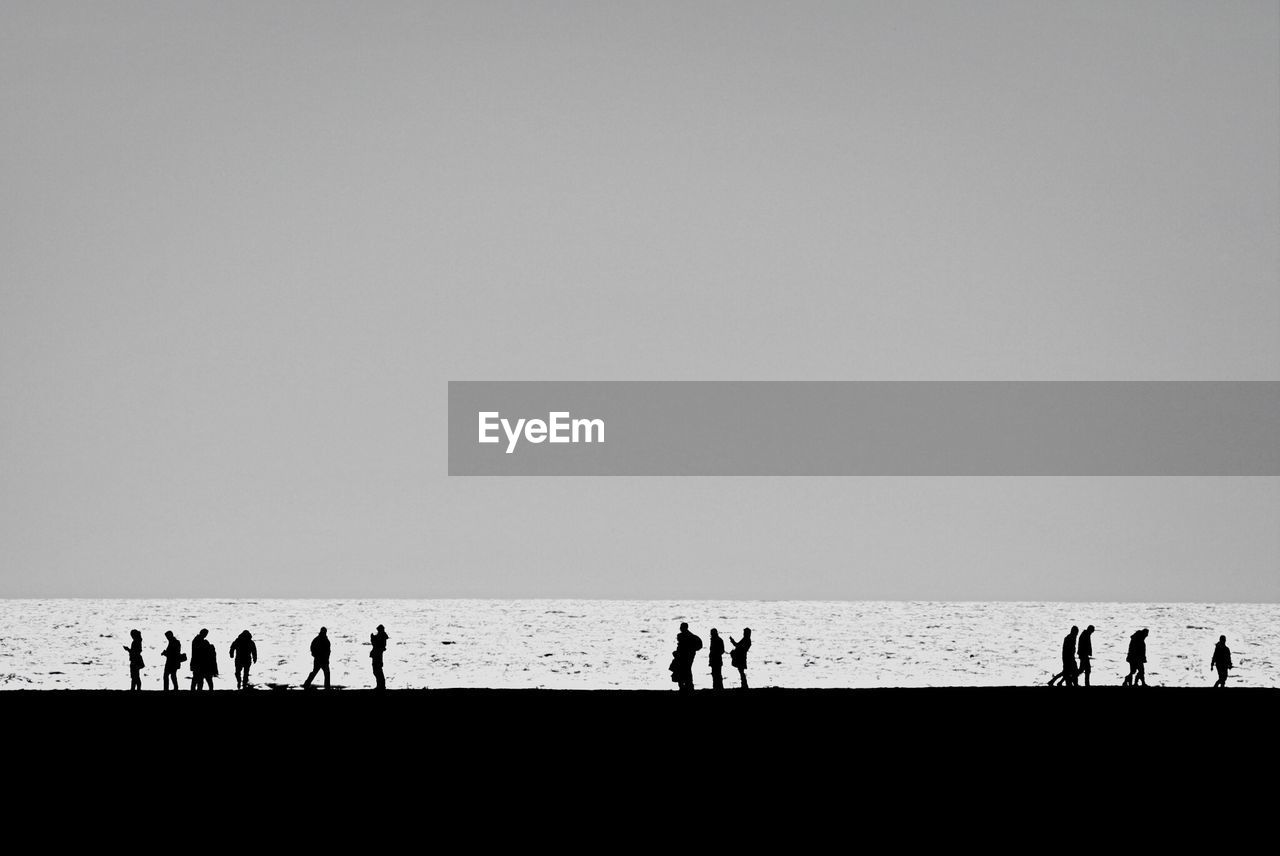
x=1067 y=677
x=135 y=660
x=379 y=642
x=204 y=661
x=1137 y=659
x=1085 y=650
x=319 y=658
x=197 y=679
x=687 y=647
x=738 y=656
x=244 y=652
x=1221 y=661
x=715 y=656
x=173 y=658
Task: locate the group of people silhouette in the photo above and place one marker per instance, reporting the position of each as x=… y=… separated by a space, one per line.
x=1076 y=644
x=1077 y=657
x=688 y=645
x=244 y=654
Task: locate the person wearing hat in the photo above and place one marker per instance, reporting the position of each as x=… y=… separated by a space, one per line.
x=379 y=642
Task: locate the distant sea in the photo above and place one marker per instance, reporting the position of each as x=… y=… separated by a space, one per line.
x=600 y=644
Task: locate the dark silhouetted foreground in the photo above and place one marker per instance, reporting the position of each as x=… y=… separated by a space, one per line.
x=598 y=750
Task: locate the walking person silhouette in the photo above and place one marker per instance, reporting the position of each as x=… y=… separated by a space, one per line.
x=173 y=658
x=319 y=658
x=135 y=660
x=204 y=661
x=244 y=651
x=1085 y=650
x=715 y=656
x=738 y=656
x=1067 y=677
x=1137 y=658
x=1221 y=661
x=379 y=642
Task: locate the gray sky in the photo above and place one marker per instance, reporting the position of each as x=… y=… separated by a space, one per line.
x=243 y=247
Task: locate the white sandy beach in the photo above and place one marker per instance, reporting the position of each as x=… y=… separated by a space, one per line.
x=596 y=644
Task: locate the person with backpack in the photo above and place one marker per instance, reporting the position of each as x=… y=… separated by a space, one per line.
x=687 y=646
x=173 y=658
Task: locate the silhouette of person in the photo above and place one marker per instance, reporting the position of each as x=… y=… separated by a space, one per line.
x=738 y=656
x=173 y=658
x=687 y=646
x=379 y=642
x=197 y=679
x=244 y=651
x=135 y=660
x=1067 y=677
x=204 y=661
x=319 y=658
x=1137 y=658
x=1221 y=661
x=1085 y=650
x=715 y=656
